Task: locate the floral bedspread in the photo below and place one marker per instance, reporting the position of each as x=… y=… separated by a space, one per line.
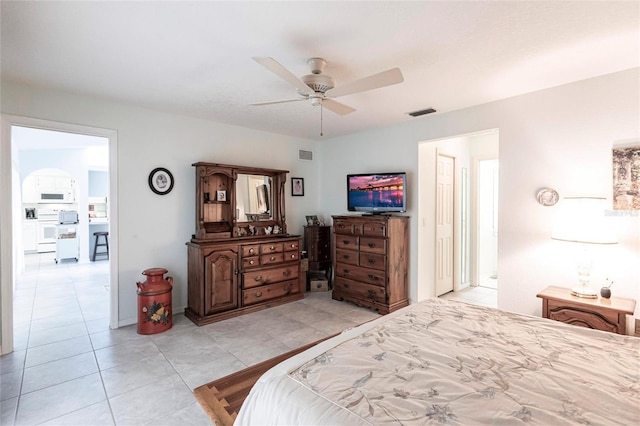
x=443 y=362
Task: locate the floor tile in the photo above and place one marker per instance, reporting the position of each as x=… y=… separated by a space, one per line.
x=98 y=414
x=55 y=401
x=57 y=334
x=58 y=350
x=155 y=400
x=56 y=372
x=8 y=408
x=136 y=373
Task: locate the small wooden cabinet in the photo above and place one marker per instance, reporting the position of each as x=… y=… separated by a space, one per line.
x=601 y=314
x=317 y=244
x=371 y=256
x=240 y=258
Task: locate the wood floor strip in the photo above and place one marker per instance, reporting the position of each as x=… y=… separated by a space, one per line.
x=222 y=398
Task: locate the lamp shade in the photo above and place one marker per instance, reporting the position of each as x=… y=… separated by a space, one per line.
x=582 y=220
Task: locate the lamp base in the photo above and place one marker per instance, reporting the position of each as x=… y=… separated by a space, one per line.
x=587 y=293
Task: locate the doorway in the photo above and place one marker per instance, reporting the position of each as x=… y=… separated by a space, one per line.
x=487 y=220
x=466 y=151
x=66 y=147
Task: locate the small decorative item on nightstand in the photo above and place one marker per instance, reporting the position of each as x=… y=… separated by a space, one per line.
x=605 y=291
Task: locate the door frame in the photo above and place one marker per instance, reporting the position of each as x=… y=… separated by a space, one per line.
x=8 y=251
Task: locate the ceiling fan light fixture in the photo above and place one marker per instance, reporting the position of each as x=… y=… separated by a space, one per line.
x=319 y=82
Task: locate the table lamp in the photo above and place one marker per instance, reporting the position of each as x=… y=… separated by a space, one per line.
x=582 y=220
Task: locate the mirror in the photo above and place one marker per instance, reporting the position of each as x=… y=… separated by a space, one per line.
x=253 y=198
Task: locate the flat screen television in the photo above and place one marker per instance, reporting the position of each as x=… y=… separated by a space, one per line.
x=377 y=193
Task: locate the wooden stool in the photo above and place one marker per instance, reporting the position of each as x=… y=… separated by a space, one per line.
x=98 y=244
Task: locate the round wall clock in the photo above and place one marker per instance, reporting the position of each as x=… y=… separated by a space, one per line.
x=161 y=181
x=547 y=197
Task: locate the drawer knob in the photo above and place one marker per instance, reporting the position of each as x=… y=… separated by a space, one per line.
x=371 y=261
x=346 y=256
x=346 y=271
x=251 y=262
x=272 y=248
x=372 y=277
x=286 y=273
x=371 y=292
x=346 y=285
x=258 y=278
x=258 y=294
x=272 y=258
x=372 y=245
x=293 y=256
x=345 y=242
x=293 y=246
x=287 y=288
x=251 y=251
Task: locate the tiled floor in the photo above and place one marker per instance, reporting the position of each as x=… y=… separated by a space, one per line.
x=485 y=296
x=69 y=368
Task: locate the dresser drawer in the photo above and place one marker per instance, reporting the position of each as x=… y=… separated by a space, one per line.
x=365 y=275
x=347 y=256
x=373 y=245
x=250 y=262
x=250 y=250
x=268 y=292
x=359 y=290
x=292 y=245
x=341 y=226
x=347 y=242
x=272 y=248
x=374 y=229
x=374 y=261
x=269 y=276
x=270 y=259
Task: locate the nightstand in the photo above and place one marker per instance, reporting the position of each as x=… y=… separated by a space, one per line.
x=602 y=314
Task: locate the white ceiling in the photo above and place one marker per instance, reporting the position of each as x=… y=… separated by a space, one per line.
x=194 y=58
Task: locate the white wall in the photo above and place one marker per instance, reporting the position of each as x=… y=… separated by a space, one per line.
x=153 y=229
x=559 y=138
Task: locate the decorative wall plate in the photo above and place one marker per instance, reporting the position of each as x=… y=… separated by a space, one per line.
x=547 y=197
x=161 y=181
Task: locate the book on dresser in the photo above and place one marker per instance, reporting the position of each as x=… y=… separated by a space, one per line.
x=371 y=257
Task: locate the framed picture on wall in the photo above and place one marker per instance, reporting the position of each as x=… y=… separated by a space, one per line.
x=297 y=186
x=161 y=181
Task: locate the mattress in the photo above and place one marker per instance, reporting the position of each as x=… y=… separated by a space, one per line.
x=446 y=362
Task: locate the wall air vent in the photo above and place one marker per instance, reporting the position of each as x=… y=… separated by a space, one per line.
x=305 y=155
x=422 y=112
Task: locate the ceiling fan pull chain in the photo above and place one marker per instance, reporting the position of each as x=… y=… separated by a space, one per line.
x=321 y=120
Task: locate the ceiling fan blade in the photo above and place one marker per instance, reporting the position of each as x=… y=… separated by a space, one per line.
x=375 y=81
x=337 y=107
x=275 y=67
x=278 y=102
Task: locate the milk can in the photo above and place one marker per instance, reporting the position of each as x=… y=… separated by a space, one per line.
x=154 y=302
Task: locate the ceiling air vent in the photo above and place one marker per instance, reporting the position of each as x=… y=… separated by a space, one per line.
x=422 y=112
x=305 y=155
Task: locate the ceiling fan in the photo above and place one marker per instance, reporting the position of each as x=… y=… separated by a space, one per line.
x=320 y=88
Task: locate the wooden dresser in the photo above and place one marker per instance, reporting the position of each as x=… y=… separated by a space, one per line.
x=240 y=258
x=371 y=256
x=601 y=314
x=317 y=244
x=231 y=278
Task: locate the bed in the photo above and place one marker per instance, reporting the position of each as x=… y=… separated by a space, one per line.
x=446 y=362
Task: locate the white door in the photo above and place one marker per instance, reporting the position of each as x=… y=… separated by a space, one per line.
x=445 y=175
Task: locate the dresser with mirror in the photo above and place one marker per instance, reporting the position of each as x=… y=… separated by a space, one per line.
x=241 y=258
